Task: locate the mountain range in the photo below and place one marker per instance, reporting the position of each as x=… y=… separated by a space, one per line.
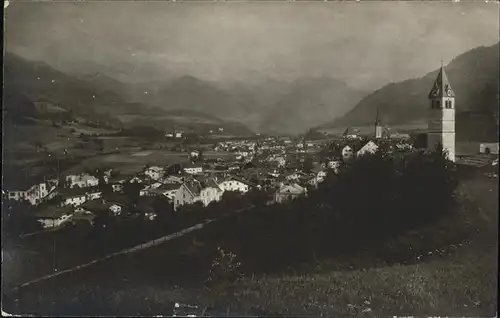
x=270 y=106
x=95 y=97
x=474 y=76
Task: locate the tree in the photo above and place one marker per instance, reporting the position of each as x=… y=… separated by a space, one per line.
x=104 y=186
x=132 y=191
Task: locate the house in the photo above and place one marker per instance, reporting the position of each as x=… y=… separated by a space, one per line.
x=235 y=184
x=117 y=187
x=172 y=179
x=93 y=194
x=193 y=191
x=81 y=181
x=18 y=195
x=148 y=189
x=52 y=216
x=135 y=180
x=115 y=209
x=347 y=153
x=74 y=199
x=179 y=134
x=166 y=190
x=369 y=148
x=154 y=172
x=288 y=192
x=294 y=176
x=194 y=154
x=169 y=135
x=489 y=148
x=34 y=195
x=274 y=173
x=78 y=196
x=194 y=168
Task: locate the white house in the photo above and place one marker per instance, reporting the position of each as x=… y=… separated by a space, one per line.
x=288 y=192
x=234 y=184
x=193 y=191
x=135 y=180
x=36 y=193
x=173 y=180
x=93 y=195
x=154 y=172
x=178 y=134
x=147 y=190
x=294 y=176
x=369 y=148
x=194 y=154
x=115 y=209
x=334 y=165
x=82 y=181
x=54 y=216
x=274 y=173
x=117 y=187
x=489 y=148
x=347 y=153
x=193 y=169
x=75 y=199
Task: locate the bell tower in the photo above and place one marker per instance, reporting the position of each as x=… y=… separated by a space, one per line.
x=441 y=116
x=378 y=127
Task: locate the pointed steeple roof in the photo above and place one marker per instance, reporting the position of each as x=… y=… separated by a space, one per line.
x=442 y=86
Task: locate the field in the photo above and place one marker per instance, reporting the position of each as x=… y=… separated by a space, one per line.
x=459 y=281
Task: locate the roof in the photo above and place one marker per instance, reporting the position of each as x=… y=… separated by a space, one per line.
x=441 y=86
x=193 y=186
x=291 y=188
x=235 y=178
x=71 y=192
x=209 y=183
x=54 y=212
x=192 y=165
x=169 y=186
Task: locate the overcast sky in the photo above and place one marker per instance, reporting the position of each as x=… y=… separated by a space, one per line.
x=364 y=44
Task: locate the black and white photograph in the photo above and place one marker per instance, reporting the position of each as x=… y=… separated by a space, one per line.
x=250 y=158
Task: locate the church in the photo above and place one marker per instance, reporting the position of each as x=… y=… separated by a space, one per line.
x=441 y=116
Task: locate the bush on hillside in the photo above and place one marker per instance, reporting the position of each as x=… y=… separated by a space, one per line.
x=225 y=268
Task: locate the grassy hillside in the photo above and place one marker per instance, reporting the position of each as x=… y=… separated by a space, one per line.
x=474 y=77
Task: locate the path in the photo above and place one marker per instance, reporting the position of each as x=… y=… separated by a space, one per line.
x=136 y=248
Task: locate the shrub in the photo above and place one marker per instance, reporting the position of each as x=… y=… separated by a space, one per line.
x=225 y=268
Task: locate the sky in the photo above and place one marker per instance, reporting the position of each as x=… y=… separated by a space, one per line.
x=364 y=44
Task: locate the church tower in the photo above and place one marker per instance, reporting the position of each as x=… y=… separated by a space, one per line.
x=441 y=118
x=378 y=127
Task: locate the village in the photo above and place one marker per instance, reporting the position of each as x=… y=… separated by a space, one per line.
x=282 y=167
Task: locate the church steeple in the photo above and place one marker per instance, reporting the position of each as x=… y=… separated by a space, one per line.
x=442 y=86
x=377 y=121
x=378 y=127
x=441 y=125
